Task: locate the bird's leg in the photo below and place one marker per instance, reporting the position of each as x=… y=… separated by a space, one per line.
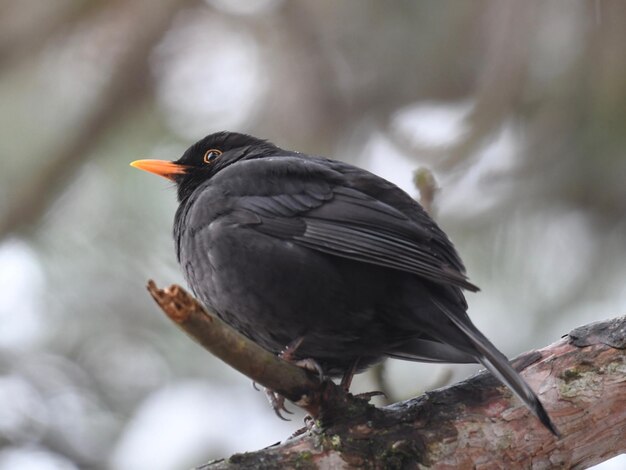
x=278 y=401
x=346 y=380
x=288 y=354
x=289 y=351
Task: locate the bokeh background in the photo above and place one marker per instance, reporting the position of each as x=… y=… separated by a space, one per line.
x=517 y=108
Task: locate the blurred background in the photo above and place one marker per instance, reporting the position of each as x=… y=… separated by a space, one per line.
x=517 y=108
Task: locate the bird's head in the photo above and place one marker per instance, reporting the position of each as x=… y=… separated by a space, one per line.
x=207 y=157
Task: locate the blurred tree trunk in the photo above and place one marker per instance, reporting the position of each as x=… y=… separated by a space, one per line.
x=128 y=85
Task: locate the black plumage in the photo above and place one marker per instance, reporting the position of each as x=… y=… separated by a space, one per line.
x=283 y=245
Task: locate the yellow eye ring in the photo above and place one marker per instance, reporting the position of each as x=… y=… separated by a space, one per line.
x=210 y=155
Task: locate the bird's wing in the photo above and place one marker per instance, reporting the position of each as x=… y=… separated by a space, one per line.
x=342 y=221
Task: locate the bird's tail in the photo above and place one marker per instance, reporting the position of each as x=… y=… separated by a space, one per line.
x=499 y=366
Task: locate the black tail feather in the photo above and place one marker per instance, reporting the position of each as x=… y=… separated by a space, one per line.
x=499 y=366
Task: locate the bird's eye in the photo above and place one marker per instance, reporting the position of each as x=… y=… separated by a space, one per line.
x=211 y=155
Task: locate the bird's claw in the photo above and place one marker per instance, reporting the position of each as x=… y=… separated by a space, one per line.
x=278 y=404
x=313 y=366
x=289 y=354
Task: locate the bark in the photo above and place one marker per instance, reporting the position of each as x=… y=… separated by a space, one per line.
x=477 y=423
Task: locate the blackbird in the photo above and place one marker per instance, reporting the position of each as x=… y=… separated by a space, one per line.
x=293 y=249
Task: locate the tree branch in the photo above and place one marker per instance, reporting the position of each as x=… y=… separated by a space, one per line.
x=236 y=350
x=580 y=379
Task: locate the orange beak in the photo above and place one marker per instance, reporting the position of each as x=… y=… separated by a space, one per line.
x=160 y=167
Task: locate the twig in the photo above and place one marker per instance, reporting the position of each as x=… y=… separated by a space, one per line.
x=425 y=182
x=320 y=399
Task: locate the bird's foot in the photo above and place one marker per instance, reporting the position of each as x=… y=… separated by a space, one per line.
x=278 y=403
x=289 y=354
x=313 y=366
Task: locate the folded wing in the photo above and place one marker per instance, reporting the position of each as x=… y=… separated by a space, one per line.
x=344 y=221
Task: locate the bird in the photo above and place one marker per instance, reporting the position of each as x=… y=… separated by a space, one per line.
x=324 y=260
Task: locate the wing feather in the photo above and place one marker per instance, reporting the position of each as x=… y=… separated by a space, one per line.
x=348 y=213
x=358 y=231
